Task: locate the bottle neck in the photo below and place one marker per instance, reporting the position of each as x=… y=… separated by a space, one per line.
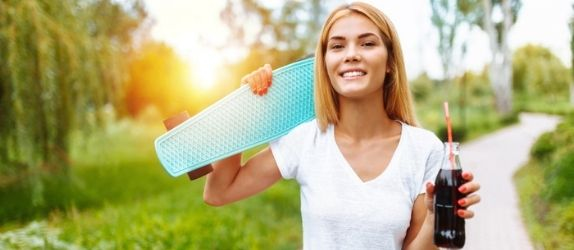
x=451 y=159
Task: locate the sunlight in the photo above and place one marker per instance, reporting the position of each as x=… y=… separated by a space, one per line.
x=205 y=72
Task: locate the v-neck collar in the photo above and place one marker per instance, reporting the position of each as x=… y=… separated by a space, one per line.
x=349 y=169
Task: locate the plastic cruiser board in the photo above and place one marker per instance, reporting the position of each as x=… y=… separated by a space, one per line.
x=239 y=121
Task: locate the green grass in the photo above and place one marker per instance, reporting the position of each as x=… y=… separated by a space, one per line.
x=119 y=197
x=545 y=188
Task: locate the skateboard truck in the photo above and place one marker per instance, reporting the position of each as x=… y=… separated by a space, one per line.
x=172 y=122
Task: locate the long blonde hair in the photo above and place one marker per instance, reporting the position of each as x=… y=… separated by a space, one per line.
x=397 y=96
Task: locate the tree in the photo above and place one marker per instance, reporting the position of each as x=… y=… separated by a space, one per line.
x=447 y=17
x=61 y=65
x=572 y=59
x=498 y=18
x=537 y=73
x=282 y=36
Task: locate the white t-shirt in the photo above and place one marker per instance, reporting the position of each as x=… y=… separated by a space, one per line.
x=338 y=209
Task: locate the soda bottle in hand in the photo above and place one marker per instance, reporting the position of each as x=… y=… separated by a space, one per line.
x=449 y=227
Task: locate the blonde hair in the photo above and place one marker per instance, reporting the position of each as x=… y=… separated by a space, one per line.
x=397 y=96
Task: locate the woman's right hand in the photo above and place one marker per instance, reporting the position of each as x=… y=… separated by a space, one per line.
x=259 y=80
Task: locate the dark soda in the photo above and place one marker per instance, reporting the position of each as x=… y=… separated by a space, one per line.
x=449 y=227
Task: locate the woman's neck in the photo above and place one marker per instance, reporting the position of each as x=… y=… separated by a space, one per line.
x=364 y=119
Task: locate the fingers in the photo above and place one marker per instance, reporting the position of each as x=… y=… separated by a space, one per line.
x=259 y=80
x=465 y=213
x=469 y=200
x=469 y=187
x=467 y=176
x=430 y=189
x=268 y=74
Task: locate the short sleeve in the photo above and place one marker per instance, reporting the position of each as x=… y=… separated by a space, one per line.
x=432 y=165
x=287 y=149
x=285 y=157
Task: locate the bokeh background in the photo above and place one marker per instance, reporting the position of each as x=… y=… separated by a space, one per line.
x=85 y=85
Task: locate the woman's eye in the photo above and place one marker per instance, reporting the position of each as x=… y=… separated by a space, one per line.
x=369 y=44
x=336 y=46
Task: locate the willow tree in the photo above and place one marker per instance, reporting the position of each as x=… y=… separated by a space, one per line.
x=572 y=57
x=61 y=63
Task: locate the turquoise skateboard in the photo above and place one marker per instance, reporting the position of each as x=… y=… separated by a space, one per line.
x=239 y=121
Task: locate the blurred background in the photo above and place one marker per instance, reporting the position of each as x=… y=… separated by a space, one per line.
x=85 y=85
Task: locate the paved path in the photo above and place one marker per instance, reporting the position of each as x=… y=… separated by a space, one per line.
x=493 y=159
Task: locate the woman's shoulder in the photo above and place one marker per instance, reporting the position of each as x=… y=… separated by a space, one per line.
x=423 y=136
x=306 y=129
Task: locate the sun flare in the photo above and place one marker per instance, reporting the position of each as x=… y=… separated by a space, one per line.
x=205 y=73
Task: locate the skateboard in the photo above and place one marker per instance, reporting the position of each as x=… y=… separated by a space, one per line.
x=239 y=121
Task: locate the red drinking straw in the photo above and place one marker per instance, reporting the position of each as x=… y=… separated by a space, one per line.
x=449 y=132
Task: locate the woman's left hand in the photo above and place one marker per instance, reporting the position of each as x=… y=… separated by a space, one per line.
x=469 y=188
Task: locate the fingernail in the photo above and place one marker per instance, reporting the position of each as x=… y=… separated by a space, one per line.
x=461 y=202
x=460 y=212
x=466 y=175
x=462 y=189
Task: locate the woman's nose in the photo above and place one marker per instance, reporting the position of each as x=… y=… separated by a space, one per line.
x=352 y=55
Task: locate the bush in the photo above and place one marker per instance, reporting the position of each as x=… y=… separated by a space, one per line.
x=421 y=87
x=544 y=185
x=543 y=147
x=559 y=178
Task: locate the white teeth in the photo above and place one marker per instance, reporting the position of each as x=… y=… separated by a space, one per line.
x=353 y=74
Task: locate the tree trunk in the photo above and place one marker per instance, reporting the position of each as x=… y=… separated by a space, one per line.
x=572 y=93
x=500 y=73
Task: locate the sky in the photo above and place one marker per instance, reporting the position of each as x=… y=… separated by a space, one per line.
x=192 y=27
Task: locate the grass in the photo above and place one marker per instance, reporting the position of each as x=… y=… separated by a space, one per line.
x=119 y=197
x=544 y=187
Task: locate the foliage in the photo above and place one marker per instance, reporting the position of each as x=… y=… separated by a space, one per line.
x=277 y=35
x=540 y=81
x=470 y=99
x=61 y=66
x=421 y=87
x=122 y=198
x=544 y=185
x=537 y=73
x=498 y=31
x=448 y=16
x=158 y=77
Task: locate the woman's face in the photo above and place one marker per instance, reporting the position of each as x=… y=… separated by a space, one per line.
x=356 y=57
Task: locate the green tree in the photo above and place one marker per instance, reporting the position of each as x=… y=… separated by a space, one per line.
x=62 y=63
x=572 y=59
x=498 y=30
x=282 y=34
x=496 y=18
x=448 y=16
x=537 y=73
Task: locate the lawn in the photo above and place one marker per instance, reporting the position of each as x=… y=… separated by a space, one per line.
x=119 y=197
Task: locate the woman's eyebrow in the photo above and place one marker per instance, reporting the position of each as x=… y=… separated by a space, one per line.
x=367 y=35
x=361 y=36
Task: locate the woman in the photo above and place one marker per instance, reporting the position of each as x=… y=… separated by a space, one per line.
x=362 y=164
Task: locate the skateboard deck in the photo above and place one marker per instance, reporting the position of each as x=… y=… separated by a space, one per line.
x=240 y=120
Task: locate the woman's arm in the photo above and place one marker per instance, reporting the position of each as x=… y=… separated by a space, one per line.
x=229 y=181
x=421 y=231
